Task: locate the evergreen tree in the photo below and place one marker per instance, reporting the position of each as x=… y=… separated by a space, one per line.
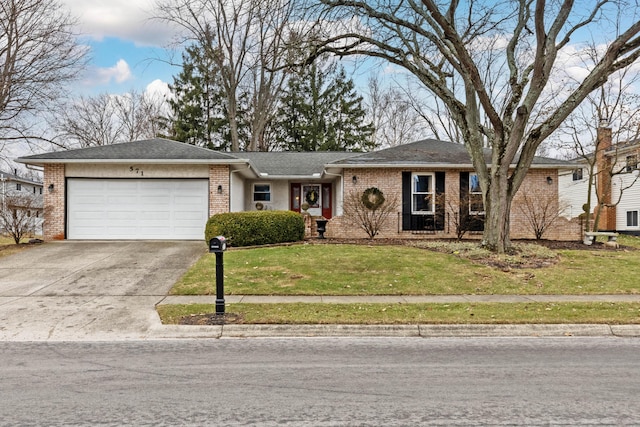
x=199 y=111
x=321 y=111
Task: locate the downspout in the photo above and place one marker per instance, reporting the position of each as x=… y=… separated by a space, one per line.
x=339 y=210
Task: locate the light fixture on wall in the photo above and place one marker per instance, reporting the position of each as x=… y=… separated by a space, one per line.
x=50 y=188
x=219 y=189
x=354 y=179
x=549 y=180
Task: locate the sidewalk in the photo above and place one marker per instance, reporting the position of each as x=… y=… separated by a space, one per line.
x=390 y=299
x=419 y=331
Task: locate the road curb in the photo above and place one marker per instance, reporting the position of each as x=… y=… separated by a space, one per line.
x=404 y=331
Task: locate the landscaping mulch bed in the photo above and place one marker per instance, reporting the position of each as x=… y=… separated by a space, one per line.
x=502 y=262
x=209 y=319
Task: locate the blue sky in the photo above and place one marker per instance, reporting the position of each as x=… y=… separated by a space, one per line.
x=127 y=47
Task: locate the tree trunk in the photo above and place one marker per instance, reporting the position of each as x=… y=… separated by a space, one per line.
x=497 y=211
x=233 y=124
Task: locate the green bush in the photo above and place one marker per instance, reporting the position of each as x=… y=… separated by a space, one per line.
x=256 y=227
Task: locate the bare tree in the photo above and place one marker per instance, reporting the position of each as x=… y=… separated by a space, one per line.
x=504 y=54
x=392 y=114
x=369 y=216
x=540 y=209
x=108 y=119
x=459 y=212
x=18 y=215
x=139 y=114
x=39 y=56
x=586 y=135
x=246 y=41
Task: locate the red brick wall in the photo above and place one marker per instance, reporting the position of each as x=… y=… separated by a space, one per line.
x=54 y=211
x=389 y=181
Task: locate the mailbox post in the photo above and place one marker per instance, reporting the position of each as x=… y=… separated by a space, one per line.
x=218 y=245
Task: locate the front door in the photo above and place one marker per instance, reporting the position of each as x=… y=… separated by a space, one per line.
x=316 y=196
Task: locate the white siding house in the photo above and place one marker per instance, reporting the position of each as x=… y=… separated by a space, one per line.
x=27 y=194
x=622 y=195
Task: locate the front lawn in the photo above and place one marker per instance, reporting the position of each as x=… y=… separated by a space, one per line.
x=352 y=269
x=433 y=268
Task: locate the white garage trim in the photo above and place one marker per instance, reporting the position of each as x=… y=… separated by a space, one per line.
x=130 y=209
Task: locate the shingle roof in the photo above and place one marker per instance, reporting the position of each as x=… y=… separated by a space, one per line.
x=275 y=163
x=428 y=152
x=291 y=163
x=6 y=176
x=150 y=149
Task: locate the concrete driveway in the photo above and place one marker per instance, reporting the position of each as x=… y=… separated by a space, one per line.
x=89 y=290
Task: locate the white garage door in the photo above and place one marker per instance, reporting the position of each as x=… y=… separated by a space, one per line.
x=137 y=208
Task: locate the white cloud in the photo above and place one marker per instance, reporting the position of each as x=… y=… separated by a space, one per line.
x=119 y=73
x=158 y=89
x=123 y=19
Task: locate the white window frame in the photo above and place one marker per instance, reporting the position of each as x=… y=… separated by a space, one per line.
x=431 y=193
x=477 y=192
x=633 y=218
x=266 y=193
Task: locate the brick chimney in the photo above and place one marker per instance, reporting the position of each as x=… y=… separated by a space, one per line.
x=603 y=165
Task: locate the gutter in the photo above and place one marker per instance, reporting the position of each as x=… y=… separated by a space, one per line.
x=440 y=166
x=40 y=162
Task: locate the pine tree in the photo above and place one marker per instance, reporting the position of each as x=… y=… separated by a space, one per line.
x=199 y=113
x=321 y=111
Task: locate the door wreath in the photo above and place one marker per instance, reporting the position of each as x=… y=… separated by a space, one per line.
x=312 y=198
x=372 y=198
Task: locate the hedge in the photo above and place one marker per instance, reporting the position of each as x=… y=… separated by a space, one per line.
x=256 y=227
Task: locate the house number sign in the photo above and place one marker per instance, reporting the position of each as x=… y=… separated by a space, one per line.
x=138 y=171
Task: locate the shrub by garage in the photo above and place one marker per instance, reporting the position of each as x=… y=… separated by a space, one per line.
x=256 y=227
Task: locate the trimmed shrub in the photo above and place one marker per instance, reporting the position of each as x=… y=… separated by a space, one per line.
x=256 y=227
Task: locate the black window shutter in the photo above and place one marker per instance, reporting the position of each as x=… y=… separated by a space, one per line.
x=406 y=200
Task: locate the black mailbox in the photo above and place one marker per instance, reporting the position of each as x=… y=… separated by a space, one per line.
x=218 y=244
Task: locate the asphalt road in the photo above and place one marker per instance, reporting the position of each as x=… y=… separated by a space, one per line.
x=323 y=382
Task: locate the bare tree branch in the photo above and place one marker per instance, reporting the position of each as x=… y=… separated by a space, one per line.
x=39 y=56
x=503 y=108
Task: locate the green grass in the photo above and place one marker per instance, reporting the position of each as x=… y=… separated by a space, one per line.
x=337 y=270
x=402 y=270
x=388 y=314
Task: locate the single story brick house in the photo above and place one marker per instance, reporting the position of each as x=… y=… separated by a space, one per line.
x=162 y=189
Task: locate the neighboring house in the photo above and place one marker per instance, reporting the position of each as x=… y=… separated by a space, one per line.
x=621 y=191
x=162 y=189
x=19 y=193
